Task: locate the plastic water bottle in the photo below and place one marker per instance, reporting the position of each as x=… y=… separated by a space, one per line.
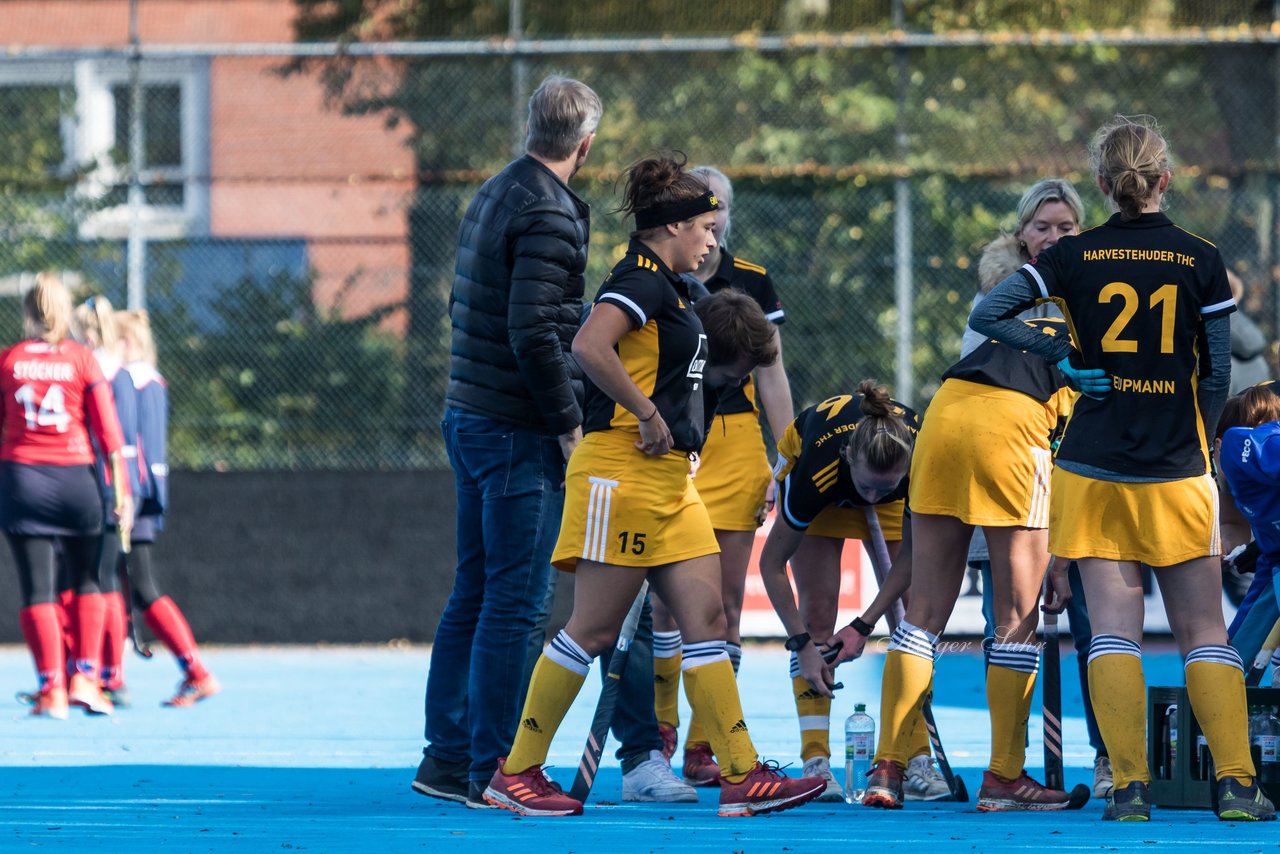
x=1264 y=732
x=859 y=746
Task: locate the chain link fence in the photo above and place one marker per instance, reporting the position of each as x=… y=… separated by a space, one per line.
x=287 y=212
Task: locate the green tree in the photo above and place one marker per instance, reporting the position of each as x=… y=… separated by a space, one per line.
x=275 y=382
x=811 y=136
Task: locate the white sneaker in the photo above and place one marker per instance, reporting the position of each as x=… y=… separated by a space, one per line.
x=653 y=780
x=820 y=766
x=1102 y=784
x=924 y=782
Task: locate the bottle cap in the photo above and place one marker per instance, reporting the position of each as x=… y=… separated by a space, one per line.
x=859 y=707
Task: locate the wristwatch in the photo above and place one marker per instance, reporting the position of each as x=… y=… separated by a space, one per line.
x=862 y=627
x=795 y=643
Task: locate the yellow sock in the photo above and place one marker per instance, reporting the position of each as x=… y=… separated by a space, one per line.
x=906 y=681
x=917 y=734
x=713 y=693
x=552 y=690
x=1119 y=694
x=814 y=712
x=666 y=689
x=1009 y=700
x=1217 y=695
x=697 y=733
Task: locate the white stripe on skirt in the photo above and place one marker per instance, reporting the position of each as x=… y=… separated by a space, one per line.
x=597 y=537
x=1215 y=535
x=1038 y=513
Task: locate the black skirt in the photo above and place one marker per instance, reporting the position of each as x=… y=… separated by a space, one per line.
x=50 y=501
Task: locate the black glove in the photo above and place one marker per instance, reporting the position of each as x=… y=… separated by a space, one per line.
x=1242 y=560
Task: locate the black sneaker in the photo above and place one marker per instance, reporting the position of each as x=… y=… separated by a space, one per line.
x=475 y=796
x=1132 y=803
x=440 y=778
x=1237 y=802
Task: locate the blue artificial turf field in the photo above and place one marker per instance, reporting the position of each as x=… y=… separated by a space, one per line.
x=313 y=749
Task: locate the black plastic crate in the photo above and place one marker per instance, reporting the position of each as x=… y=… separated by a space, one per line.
x=1186 y=778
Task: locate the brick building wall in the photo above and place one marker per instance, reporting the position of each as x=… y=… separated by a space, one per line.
x=281 y=161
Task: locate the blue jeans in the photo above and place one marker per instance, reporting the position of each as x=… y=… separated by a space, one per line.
x=1081 y=635
x=509 y=488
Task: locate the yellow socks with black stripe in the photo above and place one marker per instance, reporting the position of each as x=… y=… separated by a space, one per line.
x=814 y=712
x=666 y=677
x=1119 y=694
x=908 y=672
x=697 y=733
x=556 y=680
x=713 y=692
x=1011 y=680
x=1215 y=687
x=917 y=734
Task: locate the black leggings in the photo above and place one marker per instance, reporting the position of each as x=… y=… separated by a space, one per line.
x=142 y=579
x=108 y=576
x=37 y=562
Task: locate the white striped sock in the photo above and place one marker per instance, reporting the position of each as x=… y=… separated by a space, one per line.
x=564 y=651
x=1112 y=645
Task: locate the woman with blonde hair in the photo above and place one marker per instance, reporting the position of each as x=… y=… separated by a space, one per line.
x=1148 y=304
x=161 y=613
x=53 y=398
x=836 y=459
x=94 y=325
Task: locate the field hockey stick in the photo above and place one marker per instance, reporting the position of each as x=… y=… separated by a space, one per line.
x=131 y=625
x=603 y=718
x=1259 y=666
x=1051 y=688
x=880 y=564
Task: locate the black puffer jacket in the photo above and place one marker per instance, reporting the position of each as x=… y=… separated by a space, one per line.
x=516 y=300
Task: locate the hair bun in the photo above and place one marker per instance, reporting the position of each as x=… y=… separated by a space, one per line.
x=875 y=399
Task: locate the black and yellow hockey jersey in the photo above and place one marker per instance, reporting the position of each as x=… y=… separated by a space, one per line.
x=755 y=282
x=995 y=364
x=811 y=473
x=664 y=353
x=1134 y=293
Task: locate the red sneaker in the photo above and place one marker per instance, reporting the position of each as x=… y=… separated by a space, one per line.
x=1024 y=793
x=767 y=789
x=884 y=786
x=531 y=792
x=700 y=768
x=669 y=738
x=192 y=691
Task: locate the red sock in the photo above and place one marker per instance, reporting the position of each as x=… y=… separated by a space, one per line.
x=43 y=633
x=113 y=641
x=167 y=623
x=91 y=615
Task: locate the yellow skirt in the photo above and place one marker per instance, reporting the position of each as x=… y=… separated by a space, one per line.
x=983 y=457
x=1156 y=523
x=626 y=508
x=733 y=472
x=850 y=523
